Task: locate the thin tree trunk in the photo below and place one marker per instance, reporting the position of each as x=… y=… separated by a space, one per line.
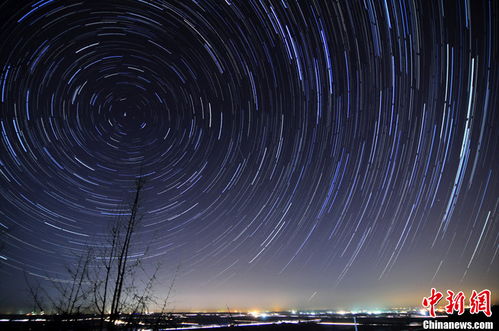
x=123 y=257
x=108 y=267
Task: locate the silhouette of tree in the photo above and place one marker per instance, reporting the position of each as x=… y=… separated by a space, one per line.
x=104 y=280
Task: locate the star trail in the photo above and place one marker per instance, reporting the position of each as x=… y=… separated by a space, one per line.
x=297 y=154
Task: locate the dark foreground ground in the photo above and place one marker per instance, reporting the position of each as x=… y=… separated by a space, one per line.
x=227 y=321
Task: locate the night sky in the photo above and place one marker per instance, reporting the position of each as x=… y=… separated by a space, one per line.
x=297 y=155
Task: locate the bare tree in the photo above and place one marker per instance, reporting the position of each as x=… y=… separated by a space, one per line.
x=114 y=287
x=123 y=250
x=105 y=278
x=66 y=298
x=36 y=295
x=162 y=316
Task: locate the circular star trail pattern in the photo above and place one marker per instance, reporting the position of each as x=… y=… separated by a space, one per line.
x=309 y=147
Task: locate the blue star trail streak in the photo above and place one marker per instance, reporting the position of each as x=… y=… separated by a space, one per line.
x=309 y=154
